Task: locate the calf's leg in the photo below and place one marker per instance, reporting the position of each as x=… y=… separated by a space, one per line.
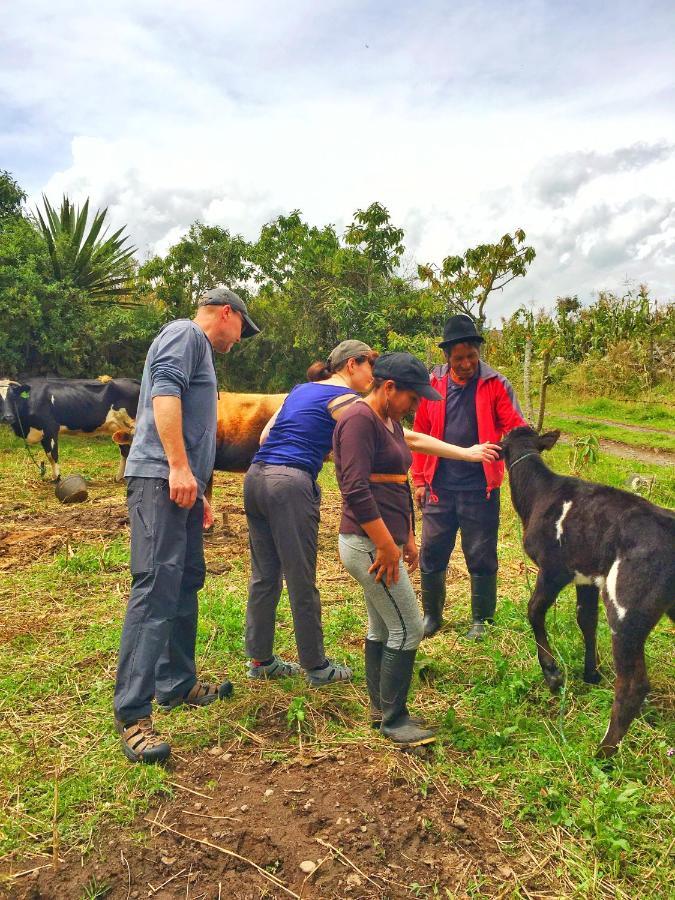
x=587 y=620
x=631 y=687
x=124 y=453
x=545 y=592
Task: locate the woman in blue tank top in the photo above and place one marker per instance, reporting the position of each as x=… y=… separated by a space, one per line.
x=282 y=499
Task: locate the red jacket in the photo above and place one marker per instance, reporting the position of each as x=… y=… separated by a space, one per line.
x=497 y=412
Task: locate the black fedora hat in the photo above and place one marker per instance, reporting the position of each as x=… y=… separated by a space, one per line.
x=459 y=329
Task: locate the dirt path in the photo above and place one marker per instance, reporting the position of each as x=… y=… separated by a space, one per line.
x=645 y=429
x=627 y=451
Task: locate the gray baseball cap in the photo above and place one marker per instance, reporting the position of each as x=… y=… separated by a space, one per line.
x=225 y=297
x=347 y=350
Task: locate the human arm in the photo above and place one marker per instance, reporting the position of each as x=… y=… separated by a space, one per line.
x=168 y=412
x=424 y=444
x=431 y=446
x=266 y=430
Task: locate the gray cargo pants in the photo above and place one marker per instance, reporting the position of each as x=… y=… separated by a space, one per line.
x=282 y=510
x=157 y=650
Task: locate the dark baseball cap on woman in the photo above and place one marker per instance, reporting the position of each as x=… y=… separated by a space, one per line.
x=407 y=372
x=224 y=297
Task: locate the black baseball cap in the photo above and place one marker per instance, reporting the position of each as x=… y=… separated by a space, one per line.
x=407 y=372
x=225 y=297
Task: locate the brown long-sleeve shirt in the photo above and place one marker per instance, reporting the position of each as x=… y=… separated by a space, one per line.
x=362 y=444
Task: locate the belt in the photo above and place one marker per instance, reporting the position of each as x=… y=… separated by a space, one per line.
x=378 y=478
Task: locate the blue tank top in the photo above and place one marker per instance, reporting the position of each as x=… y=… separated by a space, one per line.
x=303 y=432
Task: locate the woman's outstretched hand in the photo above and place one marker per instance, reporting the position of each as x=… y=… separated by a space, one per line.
x=480 y=453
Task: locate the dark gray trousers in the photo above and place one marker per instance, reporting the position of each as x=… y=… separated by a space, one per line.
x=282 y=510
x=157 y=650
x=472 y=514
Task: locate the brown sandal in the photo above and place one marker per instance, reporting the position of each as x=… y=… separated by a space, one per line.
x=200 y=694
x=141 y=743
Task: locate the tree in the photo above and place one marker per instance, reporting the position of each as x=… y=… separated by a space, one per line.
x=11 y=196
x=86 y=259
x=377 y=240
x=206 y=257
x=466 y=282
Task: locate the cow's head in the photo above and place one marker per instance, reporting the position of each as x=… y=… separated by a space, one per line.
x=14 y=398
x=522 y=441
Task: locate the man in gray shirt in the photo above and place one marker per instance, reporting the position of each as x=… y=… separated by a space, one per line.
x=169 y=465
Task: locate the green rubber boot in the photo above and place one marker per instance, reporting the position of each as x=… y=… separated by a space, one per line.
x=483 y=605
x=433 y=601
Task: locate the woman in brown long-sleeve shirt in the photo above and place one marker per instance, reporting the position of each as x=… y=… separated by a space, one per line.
x=372 y=457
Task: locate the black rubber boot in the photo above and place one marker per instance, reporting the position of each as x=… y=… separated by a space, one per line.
x=373 y=654
x=483 y=604
x=395 y=678
x=433 y=601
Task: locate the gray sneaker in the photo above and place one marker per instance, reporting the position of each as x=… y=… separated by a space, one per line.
x=332 y=674
x=276 y=669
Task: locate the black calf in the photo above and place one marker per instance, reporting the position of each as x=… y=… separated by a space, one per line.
x=607 y=542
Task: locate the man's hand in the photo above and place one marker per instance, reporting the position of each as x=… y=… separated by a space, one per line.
x=420 y=496
x=182 y=486
x=411 y=554
x=208 y=516
x=386 y=563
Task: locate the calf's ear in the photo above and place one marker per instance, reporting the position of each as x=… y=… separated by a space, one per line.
x=122 y=437
x=546 y=441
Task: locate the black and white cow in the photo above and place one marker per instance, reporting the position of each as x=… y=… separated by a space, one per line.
x=38 y=409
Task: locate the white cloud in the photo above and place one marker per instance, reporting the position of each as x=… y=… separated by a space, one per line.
x=466 y=121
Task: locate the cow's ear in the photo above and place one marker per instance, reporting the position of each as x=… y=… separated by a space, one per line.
x=548 y=440
x=24 y=391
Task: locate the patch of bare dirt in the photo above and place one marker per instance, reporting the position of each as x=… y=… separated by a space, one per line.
x=655 y=457
x=342 y=822
x=31 y=535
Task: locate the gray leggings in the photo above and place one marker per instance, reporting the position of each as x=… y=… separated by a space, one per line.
x=393 y=614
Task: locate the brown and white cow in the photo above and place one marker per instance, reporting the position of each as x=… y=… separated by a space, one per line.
x=241 y=420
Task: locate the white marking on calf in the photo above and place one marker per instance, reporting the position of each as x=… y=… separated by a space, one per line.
x=53 y=401
x=612 y=576
x=567 y=505
x=597 y=580
x=34 y=435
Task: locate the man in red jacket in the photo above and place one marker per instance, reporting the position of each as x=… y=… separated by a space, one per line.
x=478 y=405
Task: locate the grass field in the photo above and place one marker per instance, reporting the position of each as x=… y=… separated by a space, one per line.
x=593 y=830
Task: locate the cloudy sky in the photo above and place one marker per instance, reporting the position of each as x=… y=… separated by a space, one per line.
x=466 y=119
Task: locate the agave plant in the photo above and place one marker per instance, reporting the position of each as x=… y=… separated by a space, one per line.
x=93 y=262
